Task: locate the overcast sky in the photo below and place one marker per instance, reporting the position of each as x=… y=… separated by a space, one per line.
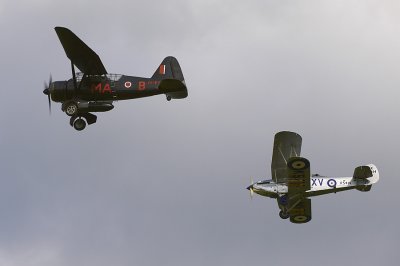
x=163 y=183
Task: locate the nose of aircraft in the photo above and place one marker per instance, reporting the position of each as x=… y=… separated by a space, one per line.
x=250 y=188
x=47 y=92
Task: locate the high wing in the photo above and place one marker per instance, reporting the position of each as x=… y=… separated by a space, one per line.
x=79 y=53
x=286 y=145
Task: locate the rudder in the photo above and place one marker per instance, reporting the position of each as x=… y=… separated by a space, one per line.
x=168 y=69
x=170 y=75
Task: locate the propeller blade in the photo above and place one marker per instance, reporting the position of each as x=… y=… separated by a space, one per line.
x=251 y=188
x=47 y=91
x=48 y=96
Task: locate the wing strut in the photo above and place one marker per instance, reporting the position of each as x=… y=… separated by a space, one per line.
x=283 y=156
x=74 y=76
x=294 y=205
x=294 y=151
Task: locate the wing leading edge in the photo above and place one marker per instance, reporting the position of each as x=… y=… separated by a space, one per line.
x=79 y=53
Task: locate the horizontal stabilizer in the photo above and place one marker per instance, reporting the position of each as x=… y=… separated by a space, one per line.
x=365 y=176
x=364 y=188
x=174 y=88
x=362 y=172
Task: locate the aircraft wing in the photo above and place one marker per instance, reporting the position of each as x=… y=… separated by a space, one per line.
x=286 y=145
x=298 y=175
x=79 y=53
x=301 y=212
x=298 y=181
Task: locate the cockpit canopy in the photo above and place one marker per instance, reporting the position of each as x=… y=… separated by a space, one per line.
x=112 y=77
x=268 y=181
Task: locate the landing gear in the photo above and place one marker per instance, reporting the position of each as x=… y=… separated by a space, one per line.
x=71 y=109
x=79 y=124
x=169 y=98
x=284 y=214
x=283 y=200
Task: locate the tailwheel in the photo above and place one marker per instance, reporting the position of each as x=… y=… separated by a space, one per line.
x=169 y=98
x=71 y=109
x=284 y=214
x=79 y=124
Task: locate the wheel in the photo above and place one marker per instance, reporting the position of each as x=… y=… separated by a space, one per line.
x=169 y=98
x=298 y=164
x=300 y=219
x=284 y=215
x=71 y=109
x=79 y=124
x=283 y=200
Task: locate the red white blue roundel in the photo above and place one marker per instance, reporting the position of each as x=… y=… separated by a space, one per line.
x=331 y=183
x=128 y=84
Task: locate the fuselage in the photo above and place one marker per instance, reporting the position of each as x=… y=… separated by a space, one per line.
x=319 y=185
x=110 y=87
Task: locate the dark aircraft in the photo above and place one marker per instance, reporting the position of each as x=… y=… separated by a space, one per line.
x=94 y=90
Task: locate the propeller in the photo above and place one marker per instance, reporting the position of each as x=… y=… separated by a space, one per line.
x=48 y=92
x=250 y=188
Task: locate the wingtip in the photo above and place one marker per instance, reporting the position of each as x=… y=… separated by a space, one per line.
x=59 y=28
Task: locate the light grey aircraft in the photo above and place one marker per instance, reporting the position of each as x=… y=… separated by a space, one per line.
x=292 y=185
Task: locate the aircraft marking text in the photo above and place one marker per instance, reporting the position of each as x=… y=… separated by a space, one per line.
x=98 y=88
x=317 y=181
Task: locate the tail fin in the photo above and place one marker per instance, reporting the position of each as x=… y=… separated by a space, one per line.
x=366 y=176
x=172 y=81
x=168 y=69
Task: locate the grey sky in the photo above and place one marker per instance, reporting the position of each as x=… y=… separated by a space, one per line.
x=163 y=183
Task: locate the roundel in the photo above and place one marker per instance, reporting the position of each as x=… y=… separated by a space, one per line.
x=300 y=218
x=128 y=84
x=331 y=183
x=299 y=164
